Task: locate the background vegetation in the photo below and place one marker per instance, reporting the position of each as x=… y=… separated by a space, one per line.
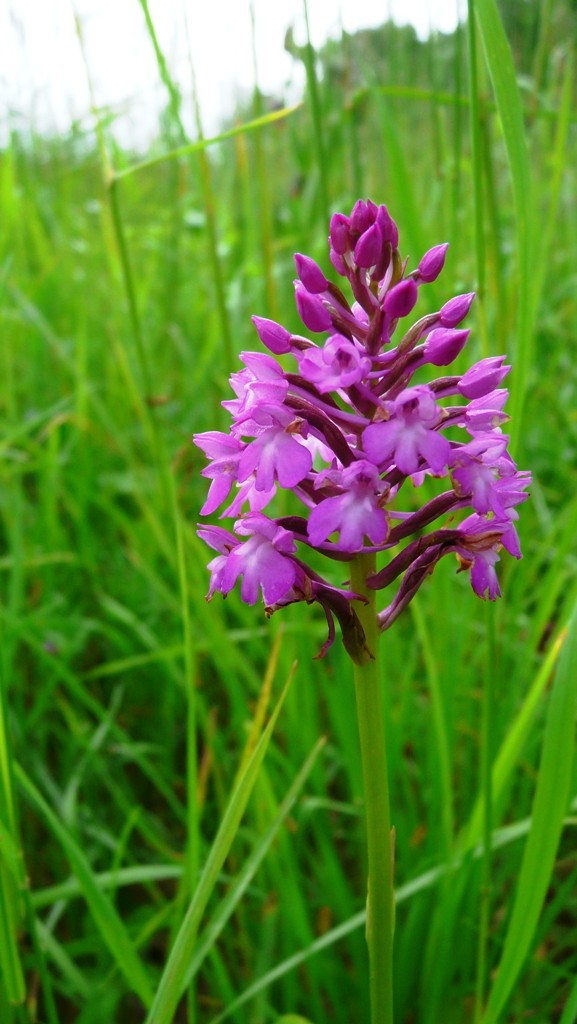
x=130 y=706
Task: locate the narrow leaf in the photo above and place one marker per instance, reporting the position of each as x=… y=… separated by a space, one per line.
x=173 y=979
x=549 y=807
x=103 y=912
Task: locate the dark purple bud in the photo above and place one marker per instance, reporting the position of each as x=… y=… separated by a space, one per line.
x=483 y=377
x=456 y=310
x=338 y=262
x=310 y=274
x=369 y=247
x=432 y=263
x=444 y=344
x=339 y=233
x=311 y=310
x=361 y=218
x=400 y=300
x=274 y=336
x=388 y=227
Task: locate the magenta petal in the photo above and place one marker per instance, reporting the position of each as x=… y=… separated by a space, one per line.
x=407 y=450
x=324 y=519
x=484 y=577
x=379 y=441
x=217 y=492
x=436 y=450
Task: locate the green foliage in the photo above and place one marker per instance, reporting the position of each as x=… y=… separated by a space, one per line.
x=129 y=705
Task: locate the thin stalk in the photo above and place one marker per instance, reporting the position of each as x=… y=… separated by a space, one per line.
x=312 y=84
x=380 y=895
x=262 y=181
x=477 y=143
x=487 y=798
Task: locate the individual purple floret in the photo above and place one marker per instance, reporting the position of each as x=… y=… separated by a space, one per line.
x=348 y=430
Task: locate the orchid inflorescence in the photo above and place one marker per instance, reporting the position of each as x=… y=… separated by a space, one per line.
x=345 y=428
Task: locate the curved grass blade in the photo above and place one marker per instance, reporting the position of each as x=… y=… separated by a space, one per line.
x=501 y=837
x=501 y=69
x=549 y=807
x=512 y=745
x=175 y=974
x=235 y=893
x=103 y=912
x=195 y=147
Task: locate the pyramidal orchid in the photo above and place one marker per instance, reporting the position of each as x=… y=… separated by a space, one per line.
x=350 y=433
x=354 y=422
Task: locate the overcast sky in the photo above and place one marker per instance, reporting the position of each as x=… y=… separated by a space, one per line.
x=43 y=76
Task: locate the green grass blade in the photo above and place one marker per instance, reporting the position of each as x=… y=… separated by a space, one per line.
x=549 y=807
x=570 y=1011
x=10 y=865
x=508 y=756
x=103 y=912
x=194 y=147
x=174 y=976
x=235 y=893
x=501 y=69
x=501 y=838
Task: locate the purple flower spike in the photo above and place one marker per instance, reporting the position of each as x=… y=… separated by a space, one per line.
x=350 y=434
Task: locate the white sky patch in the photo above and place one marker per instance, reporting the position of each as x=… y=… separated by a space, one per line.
x=43 y=75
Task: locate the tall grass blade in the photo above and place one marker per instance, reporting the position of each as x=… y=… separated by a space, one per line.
x=508 y=99
x=10 y=863
x=105 y=916
x=549 y=808
x=175 y=974
x=512 y=745
x=226 y=907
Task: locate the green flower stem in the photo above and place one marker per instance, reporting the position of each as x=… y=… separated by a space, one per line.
x=380 y=895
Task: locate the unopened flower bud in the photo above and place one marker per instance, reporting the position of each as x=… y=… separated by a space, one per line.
x=339 y=233
x=311 y=310
x=361 y=218
x=444 y=344
x=400 y=300
x=483 y=377
x=274 y=336
x=369 y=247
x=388 y=227
x=310 y=274
x=433 y=262
x=456 y=310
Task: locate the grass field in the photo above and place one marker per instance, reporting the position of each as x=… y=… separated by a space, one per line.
x=145 y=803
